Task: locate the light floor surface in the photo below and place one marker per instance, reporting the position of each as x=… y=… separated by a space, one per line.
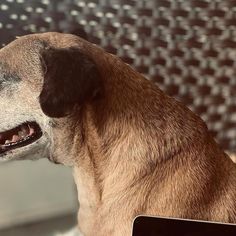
x=47 y=227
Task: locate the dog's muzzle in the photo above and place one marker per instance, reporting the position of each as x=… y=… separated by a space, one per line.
x=19 y=136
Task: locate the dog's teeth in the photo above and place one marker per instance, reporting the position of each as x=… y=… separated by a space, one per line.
x=31 y=131
x=7 y=141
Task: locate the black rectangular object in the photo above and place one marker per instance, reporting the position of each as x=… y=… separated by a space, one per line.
x=160 y=226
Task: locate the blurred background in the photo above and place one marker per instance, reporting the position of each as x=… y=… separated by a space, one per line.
x=188 y=48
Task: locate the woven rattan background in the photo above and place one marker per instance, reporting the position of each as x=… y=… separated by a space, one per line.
x=188 y=47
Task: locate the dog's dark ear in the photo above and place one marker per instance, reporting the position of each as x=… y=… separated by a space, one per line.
x=70 y=78
x=75 y=30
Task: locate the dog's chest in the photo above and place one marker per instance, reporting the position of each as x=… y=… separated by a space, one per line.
x=72 y=232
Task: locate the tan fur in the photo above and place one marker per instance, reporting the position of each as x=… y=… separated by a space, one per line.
x=135 y=151
x=232 y=156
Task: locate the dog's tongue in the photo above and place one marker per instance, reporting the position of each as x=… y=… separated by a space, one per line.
x=15 y=138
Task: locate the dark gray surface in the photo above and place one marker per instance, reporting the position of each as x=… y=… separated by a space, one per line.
x=43 y=228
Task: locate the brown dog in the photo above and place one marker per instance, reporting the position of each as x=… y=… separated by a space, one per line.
x=134 y=149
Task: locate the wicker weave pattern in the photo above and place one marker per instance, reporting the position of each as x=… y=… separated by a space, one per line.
x=187 y=47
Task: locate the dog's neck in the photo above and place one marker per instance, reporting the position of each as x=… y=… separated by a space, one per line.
x=109 y=170
x=127 y=136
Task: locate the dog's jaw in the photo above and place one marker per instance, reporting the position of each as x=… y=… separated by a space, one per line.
x=38 y=148
x=33 y=151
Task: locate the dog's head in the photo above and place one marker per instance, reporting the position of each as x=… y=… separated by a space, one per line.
x=42 y=78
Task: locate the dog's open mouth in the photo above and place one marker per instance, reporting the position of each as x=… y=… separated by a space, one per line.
x=19 y=136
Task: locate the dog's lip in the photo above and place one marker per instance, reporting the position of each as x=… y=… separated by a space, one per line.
x=22 y=135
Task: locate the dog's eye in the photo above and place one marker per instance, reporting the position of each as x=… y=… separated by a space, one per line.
x=7 y=81
x=4 y=85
